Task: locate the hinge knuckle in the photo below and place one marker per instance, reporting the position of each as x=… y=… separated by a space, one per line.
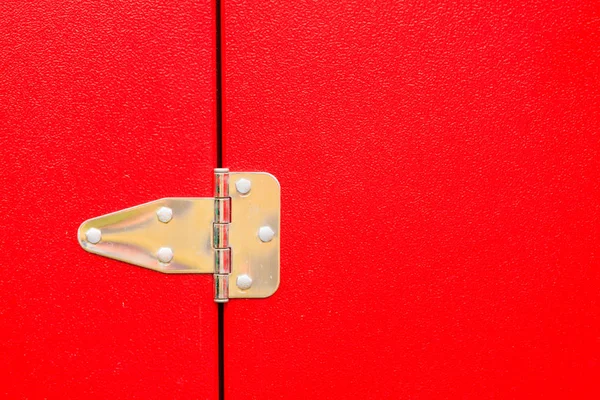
x=221 y=182
x=222 y=210
x=220 y=236
x=223 y=261
x=221 y=288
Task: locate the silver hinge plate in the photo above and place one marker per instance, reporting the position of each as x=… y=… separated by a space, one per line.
x=189 y=235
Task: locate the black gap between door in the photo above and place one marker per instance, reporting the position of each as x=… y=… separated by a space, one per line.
x=219 y=112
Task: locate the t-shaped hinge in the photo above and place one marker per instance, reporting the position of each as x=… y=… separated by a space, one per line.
x=234 y=235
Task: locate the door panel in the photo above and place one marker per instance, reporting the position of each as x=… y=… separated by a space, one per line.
x=439 y=171
x=103 y=106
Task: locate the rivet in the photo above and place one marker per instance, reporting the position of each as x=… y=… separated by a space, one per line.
x=243 y=186
x=164 y=214
x=164 y=255
x=266 y=234
x=244 y=282
x=93 y=235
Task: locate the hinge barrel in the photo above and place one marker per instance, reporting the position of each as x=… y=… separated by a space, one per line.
x=221 y=222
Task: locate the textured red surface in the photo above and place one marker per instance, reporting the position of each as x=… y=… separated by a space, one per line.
x=103 y=105
x=440 y=190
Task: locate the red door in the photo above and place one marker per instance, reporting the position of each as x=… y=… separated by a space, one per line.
x=103 y=106
x=440 y=200
x=438 y=164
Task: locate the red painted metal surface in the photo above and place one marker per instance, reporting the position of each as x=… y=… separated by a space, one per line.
x=440 y=198
x=102 y=106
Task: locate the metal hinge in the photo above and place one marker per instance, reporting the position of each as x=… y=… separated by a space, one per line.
x=234 y=236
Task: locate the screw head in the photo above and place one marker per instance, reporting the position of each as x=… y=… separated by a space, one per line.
x=93 y=235
x=265 y=233
x=164 y=214
x=244 y=282
x=243 y=186
x=164 y=255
